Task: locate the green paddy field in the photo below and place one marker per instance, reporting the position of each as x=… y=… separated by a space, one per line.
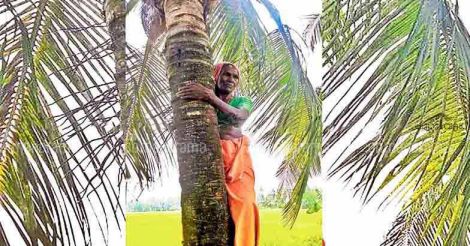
x=164 y=228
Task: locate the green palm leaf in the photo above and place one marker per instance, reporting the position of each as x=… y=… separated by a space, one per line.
x=150 y=143
x=409 y=61
x=57 y=139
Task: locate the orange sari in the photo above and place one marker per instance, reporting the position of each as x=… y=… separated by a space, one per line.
x=240 y=183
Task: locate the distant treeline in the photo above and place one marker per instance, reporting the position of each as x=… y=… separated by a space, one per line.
x=171 y=204
x=312 y=201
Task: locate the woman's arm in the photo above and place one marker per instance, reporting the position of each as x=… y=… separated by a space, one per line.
x=196 y=91
x=239 y=114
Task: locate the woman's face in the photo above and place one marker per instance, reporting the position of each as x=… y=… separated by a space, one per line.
x=228 y=79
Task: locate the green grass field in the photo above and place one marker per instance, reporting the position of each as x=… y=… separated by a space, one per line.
x=164 y=228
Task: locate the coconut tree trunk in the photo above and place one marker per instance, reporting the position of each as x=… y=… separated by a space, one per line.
x=203 y=195
x=115 y=14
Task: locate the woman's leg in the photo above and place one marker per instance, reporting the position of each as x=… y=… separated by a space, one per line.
x=244 y=212
x=241 y=191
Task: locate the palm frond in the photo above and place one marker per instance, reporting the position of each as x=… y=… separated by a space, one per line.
x=312 y=31
x=409 y=61
x=58 y=144
x=151 y=140
x=417 y=225
x=410 y=228
x=287 y=108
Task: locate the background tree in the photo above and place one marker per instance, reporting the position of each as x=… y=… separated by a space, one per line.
x=406 y=65
x=312 y=201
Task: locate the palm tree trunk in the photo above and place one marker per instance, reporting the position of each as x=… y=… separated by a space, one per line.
x=203 y=194
x=115 y=13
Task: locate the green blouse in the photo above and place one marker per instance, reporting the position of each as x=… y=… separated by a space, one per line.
x=237 y=102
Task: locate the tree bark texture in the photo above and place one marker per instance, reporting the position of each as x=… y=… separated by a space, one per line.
x=203 y=194
x=115 y=14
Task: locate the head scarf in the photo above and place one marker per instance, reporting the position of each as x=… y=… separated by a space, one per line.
x=218 y=69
